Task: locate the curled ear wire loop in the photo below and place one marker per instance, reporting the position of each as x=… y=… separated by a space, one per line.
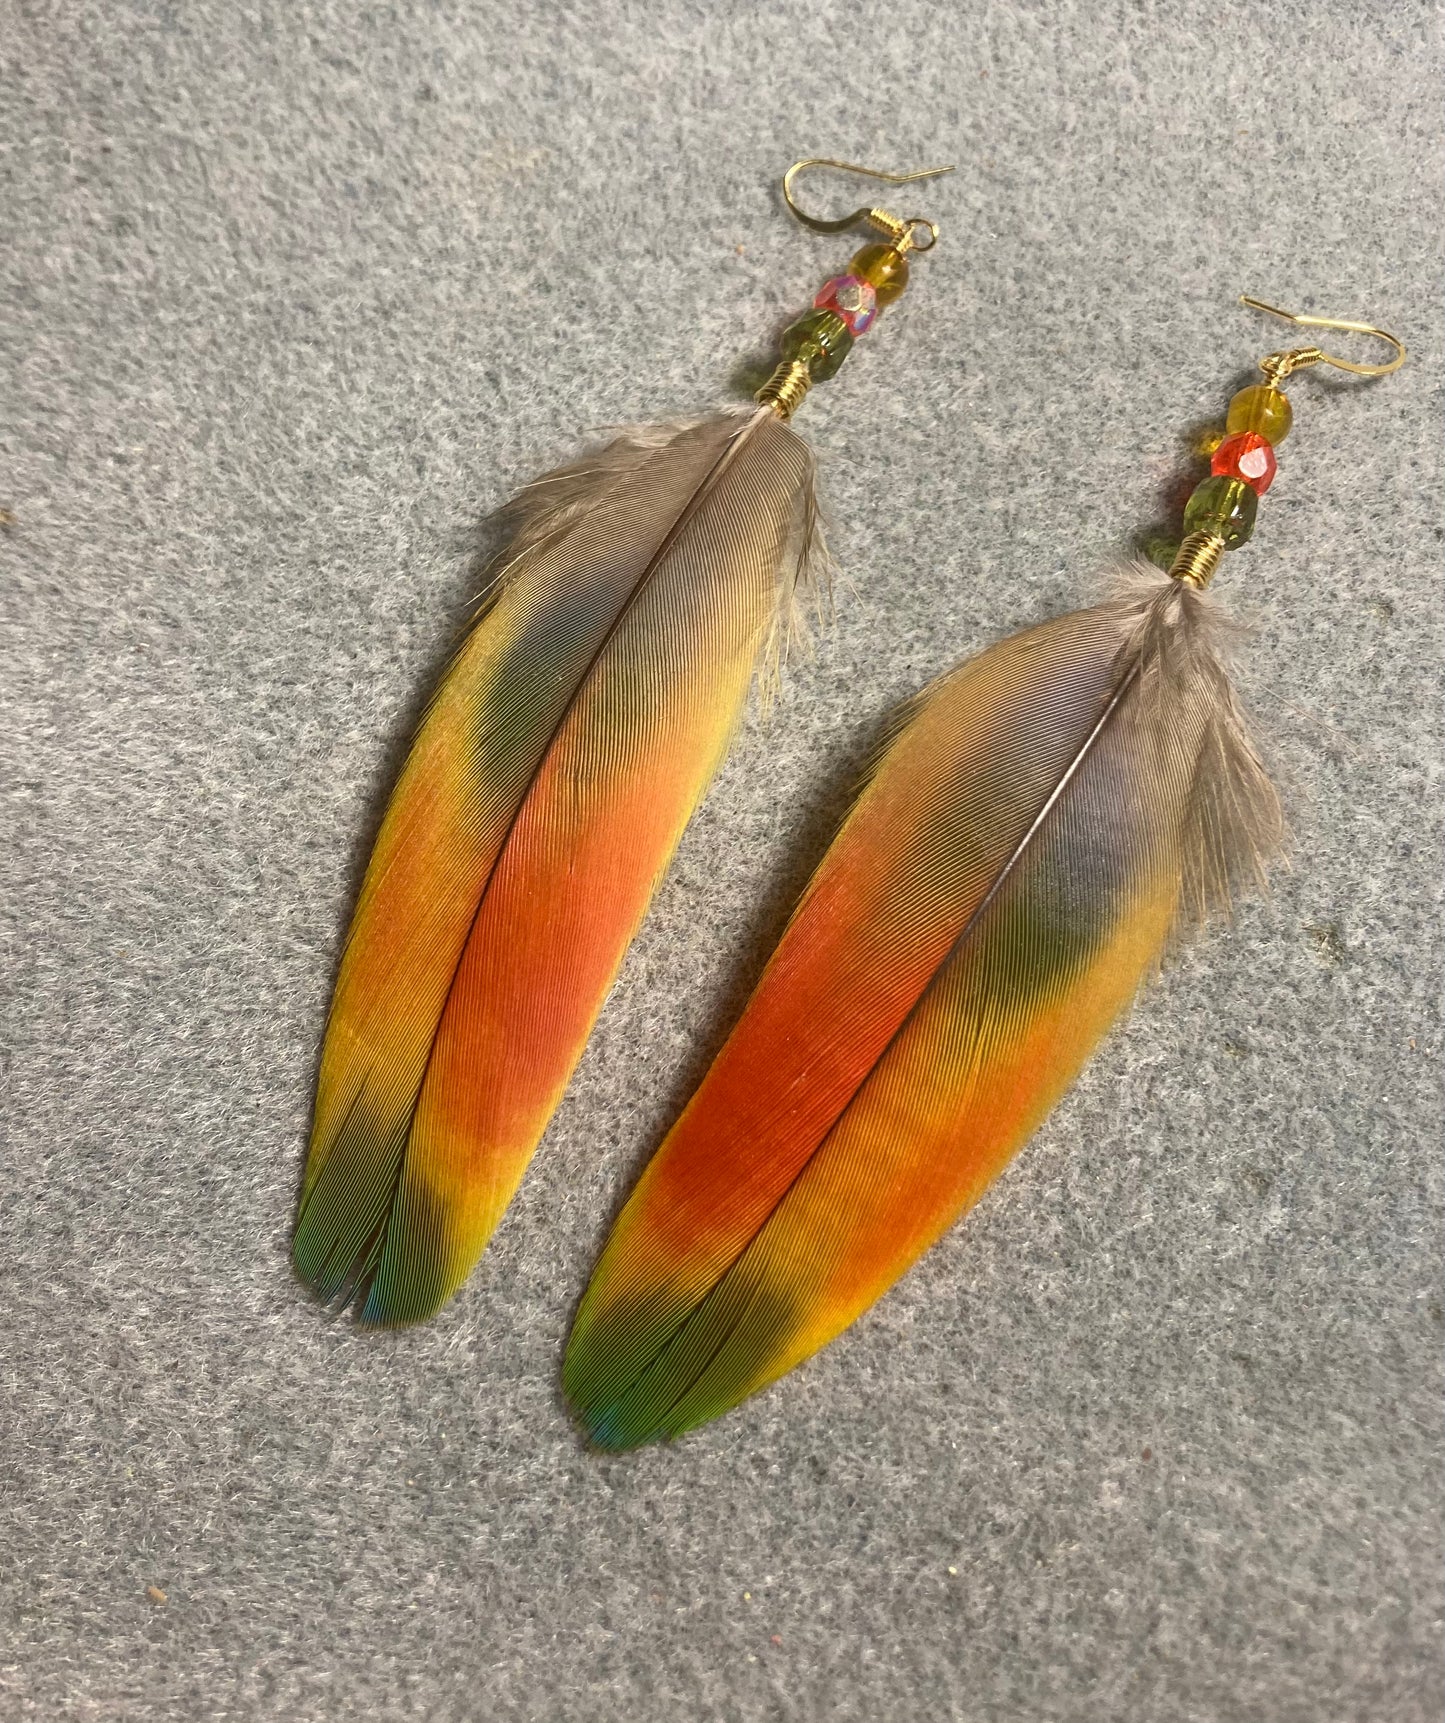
x=1277 y=366
x=905 y=232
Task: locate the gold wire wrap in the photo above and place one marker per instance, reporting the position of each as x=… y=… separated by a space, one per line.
x=785 y=388
x=1196 y=559
x=900 y=232
x=1278 y=366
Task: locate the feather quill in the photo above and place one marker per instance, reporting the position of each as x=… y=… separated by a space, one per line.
x=1040 y=825
x=549 y=782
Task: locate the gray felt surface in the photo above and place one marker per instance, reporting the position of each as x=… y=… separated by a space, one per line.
x=294 y=295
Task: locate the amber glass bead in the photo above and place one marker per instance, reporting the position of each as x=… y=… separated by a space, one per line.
x=1263 y=408
x=1222 y=506
x=821 y=340
x=884 y=268
x=1246 y=456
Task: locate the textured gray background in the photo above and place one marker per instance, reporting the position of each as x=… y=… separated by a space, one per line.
x=295 y=294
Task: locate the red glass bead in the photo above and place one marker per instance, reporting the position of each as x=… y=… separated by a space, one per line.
x=1247 y=455
x=852 y=298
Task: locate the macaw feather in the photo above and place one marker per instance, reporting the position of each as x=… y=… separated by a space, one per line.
x=1041 y=824
x=549 y=782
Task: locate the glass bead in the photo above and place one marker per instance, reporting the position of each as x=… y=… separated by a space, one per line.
x=854 y=299
x=821 y=340
x=1263 y=408
x=884 y=269
x=1224 y=507
x=1247 y=456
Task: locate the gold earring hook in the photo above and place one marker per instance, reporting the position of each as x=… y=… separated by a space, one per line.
x=903 y=233
x=1277 y=366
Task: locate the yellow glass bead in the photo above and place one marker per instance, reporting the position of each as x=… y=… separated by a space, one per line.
x=884 y=268
x=1263 y=408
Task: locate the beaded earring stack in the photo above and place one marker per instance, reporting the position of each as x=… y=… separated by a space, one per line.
x=1220 y=514
x=813 y=349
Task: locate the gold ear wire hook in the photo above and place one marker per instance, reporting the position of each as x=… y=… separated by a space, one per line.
x=1277 y=366
x=903 y=233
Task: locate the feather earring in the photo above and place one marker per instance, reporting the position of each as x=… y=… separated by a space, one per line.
x=551 y=778
x=1042 y=823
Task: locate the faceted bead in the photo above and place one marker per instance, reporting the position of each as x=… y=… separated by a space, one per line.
x=854 y=299
x=821 y=340
x=1247 y=456
x=1222 y=506
x=884 y=269
x=1263 y=408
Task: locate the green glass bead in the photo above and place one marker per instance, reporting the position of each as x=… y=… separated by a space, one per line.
x=1263 y=408
x=821 y=340
x=1222 y=506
